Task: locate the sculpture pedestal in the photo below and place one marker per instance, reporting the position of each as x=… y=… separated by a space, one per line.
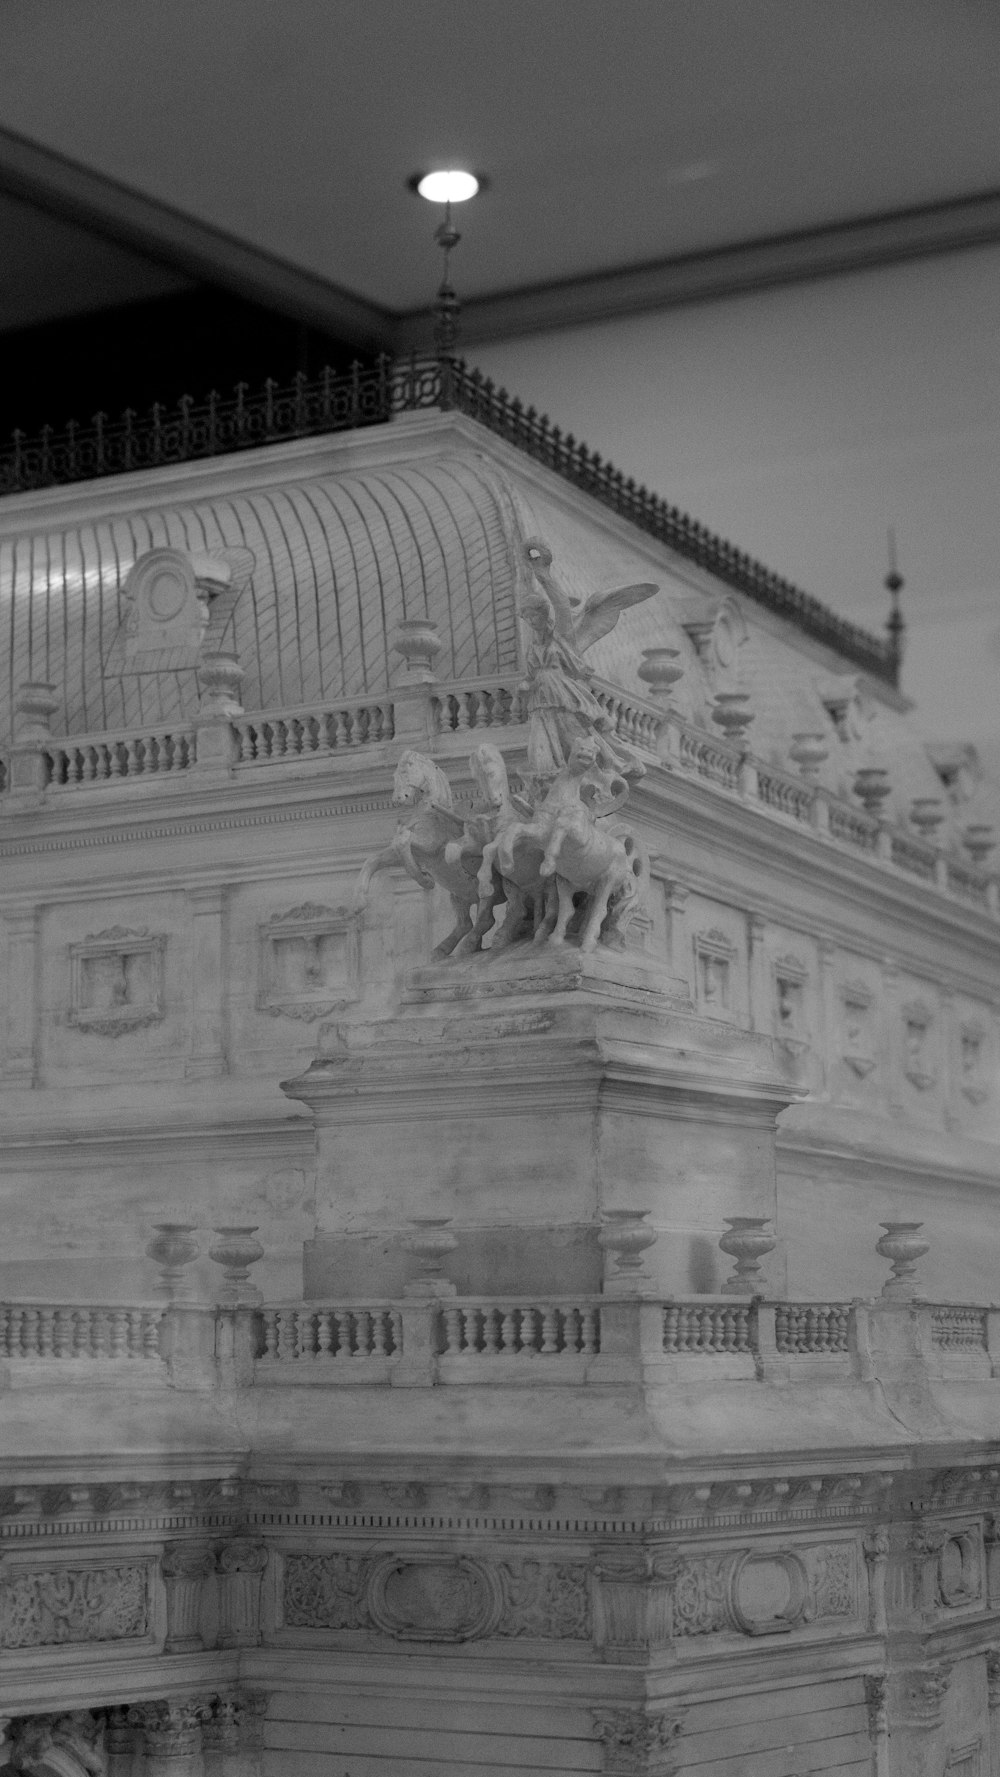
x=523 y=1098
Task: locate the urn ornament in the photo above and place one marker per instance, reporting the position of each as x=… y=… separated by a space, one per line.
x=660 y=669
x=624 y=1238
x=872 y=786
x=903 y=1244
x=926 y=815
x=746 y=1241
x=418 y=641
x=808 y=751
x=235 y=1249
x=979 y=839
x=431 y=1241
x=172 y=1248
x=732 y=713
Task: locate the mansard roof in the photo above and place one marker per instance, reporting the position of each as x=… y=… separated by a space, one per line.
x=324 y=570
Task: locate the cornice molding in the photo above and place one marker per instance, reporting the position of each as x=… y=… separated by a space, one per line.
x=738 y=270
x=66 y=188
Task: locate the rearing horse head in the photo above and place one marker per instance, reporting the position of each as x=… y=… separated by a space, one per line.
x=418 y=779
x=490 y=772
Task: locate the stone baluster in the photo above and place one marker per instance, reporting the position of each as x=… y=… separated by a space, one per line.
x=170 y=1734
x=207 y=1058
x=993 y=1695
x=185 y=1568
x=240 y=1566
x=20 y=1059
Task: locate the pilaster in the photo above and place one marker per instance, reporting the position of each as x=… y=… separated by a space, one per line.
x=208 y=1055
x=20 y=1050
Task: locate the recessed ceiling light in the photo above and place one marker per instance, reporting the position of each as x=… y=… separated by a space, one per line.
x=449 y=186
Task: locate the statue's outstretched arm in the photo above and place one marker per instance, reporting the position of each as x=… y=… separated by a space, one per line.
x=540 y=561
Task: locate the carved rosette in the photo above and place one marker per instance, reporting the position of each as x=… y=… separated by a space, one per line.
x=924 y=1692
x=638 y=1741
x=240 y=1565
x=185 y=1567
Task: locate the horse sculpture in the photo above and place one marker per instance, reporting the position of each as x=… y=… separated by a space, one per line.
x=532 y=901
x=584 y=856
x=434 y=847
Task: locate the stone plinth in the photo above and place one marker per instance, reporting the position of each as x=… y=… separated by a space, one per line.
x=525 y=1097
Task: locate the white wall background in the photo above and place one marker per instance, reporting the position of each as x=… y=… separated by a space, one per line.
x=800 y=423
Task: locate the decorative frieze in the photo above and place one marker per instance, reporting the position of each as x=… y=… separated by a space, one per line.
x=764 y=1591
x=638 y=1740
x=49 y=1608
x=309 y=962
x=427 y=1597
x=116 y=981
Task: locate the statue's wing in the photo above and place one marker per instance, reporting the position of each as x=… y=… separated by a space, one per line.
x=601 y=613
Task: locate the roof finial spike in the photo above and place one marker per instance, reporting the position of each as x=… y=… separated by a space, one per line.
x=447 y=307
x=895 y=622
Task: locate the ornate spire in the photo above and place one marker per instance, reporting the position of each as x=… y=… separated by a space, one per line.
x=447 y=306
x=895 y=622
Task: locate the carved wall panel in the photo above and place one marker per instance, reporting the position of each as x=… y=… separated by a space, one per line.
x=973 y=1049
x=430 y=1597
x=859 y=1039
x=764 y=1591
x=919 y=1044
x=116 y=981
x=715 y=957
x=790 y=976
x=309 y=961
x=42 y=1609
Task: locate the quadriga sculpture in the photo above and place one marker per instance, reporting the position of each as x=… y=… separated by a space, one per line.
x=598 y=873
x=558 y=858
x=433 y=847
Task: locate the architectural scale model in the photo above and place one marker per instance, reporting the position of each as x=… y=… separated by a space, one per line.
x=501 y=1130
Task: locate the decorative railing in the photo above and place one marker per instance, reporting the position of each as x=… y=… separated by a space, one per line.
x=497 y=703
x=713 y=759
x=519 y=1329
x=959 y=1329
x=372 y=394
x=690 y=1327
x=41 y=1329
x=785 y=794
x=300 y=733
x=106 y=758
x=477 y=703
x=811 y=1328
x=332 y=1335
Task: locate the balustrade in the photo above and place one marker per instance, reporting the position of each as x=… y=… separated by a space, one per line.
x=959 y=1329
x=105 y=758
x=477 y=704
x=710 y=1328
x=330 y=1335
x=784 y=794
x=811 y=1328
x=519 y=1329
x=45 y=1330
x=298 y=733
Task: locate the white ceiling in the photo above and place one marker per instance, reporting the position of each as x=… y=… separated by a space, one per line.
x=614 y=135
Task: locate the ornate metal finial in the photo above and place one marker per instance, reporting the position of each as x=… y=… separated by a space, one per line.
x=895 y=622
x=447 y=306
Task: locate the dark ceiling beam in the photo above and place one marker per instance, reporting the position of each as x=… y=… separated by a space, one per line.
x=729 y=271
x=67 y=189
